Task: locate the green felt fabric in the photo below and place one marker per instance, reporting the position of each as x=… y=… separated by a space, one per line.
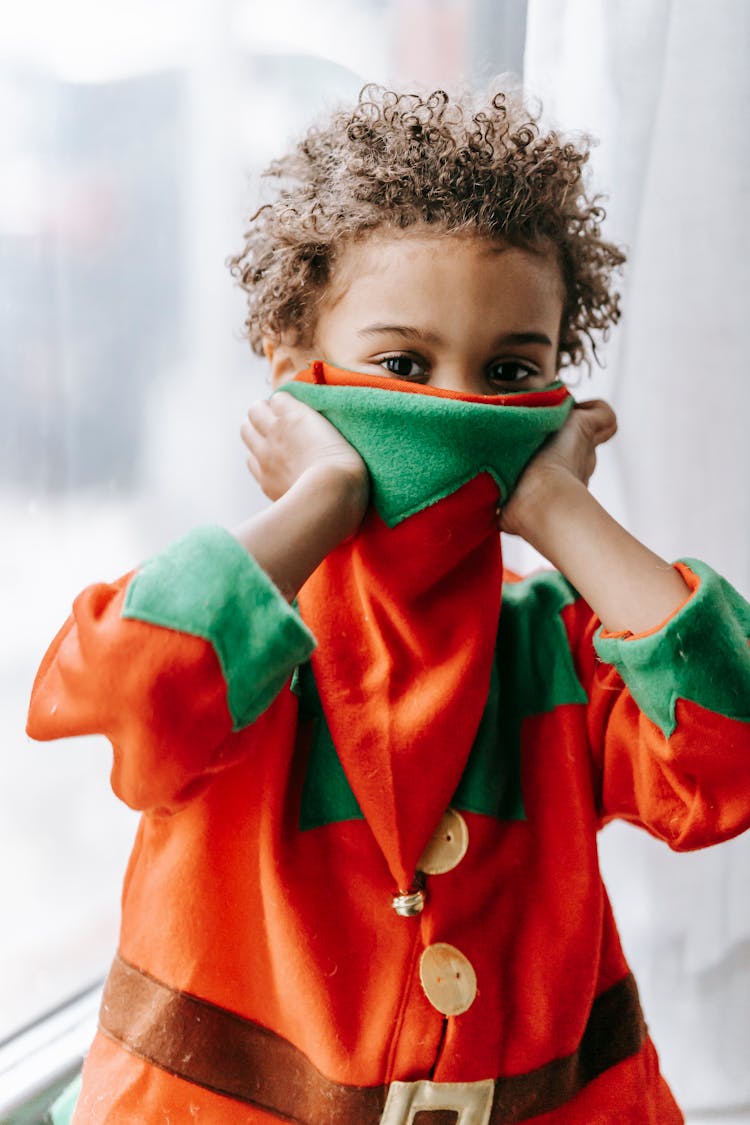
x=701 y=654
x=327 y=796
x=420 y=448
x=207 y=585
x=491 y=782
x=533 y=673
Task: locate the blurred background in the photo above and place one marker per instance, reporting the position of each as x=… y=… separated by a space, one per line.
x=133 y=135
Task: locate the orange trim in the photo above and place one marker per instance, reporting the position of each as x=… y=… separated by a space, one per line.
x=319 y=372
x=692 y=581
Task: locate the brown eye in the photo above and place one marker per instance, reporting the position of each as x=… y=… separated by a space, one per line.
x=511 y=371
x=404 y=367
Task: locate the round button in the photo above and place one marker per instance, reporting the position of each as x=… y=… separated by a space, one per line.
x=447 y=846
x=448 y=978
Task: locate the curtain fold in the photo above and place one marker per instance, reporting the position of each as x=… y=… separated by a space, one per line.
x=664 y=86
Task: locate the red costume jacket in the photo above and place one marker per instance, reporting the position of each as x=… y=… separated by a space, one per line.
x=365 y=884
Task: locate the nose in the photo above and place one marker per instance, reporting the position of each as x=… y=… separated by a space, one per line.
x=462 y=377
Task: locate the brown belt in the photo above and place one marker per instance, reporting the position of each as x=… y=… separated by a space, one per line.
x=224 y=1052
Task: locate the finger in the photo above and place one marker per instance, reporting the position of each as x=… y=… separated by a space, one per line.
x=590 y=466
x=598 y=412
x=597 y=418
x=250 y=435
x=254 y=466
x=284 y=402
x=261 y=416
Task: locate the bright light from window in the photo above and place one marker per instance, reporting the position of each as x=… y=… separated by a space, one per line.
x=90 y=41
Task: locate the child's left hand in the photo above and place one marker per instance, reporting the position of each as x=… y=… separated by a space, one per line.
x=631 y=589
x=570 y=453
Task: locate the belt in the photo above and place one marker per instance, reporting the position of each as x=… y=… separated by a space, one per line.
x=221 y=1051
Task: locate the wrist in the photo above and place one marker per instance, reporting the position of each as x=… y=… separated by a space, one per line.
x=338 y=493
x=629 y=588
x=543 y=504
x=291 y=538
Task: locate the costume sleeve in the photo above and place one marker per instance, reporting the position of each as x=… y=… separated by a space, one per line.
x=669 y=717
x=168 y=662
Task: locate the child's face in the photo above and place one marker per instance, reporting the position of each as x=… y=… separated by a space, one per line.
x=453 y=311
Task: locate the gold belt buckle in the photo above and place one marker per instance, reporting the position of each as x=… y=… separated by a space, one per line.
x=471 y=1100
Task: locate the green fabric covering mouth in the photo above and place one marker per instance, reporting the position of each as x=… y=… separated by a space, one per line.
x=421 y=448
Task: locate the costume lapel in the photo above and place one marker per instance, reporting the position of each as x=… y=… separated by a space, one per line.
x=406 y=620
x=406 y=611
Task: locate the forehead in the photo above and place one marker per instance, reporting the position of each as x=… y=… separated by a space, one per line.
x=404 y=271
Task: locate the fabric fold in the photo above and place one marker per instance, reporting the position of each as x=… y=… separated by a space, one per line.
x=406 y=611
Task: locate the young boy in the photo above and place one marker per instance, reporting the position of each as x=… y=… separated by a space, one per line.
x=365 y=884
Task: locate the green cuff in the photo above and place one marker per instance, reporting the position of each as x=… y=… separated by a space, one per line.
x=700 y=654
x=206 y=584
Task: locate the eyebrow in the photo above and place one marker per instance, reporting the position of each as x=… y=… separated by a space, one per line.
x=526 y=338
x=511 y=339
x=400 y=330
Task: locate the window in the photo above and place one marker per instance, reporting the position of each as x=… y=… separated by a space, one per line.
x=131 y=136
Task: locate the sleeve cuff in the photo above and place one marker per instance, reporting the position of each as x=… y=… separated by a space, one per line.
x=207 y=585
x=700 y=653
x=693 y=582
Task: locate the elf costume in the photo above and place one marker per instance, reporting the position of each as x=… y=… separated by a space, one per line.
x=365 y=885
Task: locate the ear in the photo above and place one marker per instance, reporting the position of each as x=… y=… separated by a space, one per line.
x=286 y=360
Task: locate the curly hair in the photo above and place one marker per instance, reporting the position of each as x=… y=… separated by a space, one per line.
x=398 y=160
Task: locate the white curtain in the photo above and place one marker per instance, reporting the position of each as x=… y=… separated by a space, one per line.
x=665 y=85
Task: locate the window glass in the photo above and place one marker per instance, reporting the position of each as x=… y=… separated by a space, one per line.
x=132 y=136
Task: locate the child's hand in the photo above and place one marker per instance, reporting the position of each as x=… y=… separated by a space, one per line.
x=286 y=439
x=318 y=481
x=629 y=587
x=568 y=456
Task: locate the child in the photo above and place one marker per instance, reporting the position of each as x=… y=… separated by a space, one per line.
x=365 y=884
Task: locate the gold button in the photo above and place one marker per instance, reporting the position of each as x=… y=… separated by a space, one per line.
x=448 y=845
x=448 y=978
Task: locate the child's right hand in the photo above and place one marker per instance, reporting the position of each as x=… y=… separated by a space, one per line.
x=318 y=482
x=286 y=439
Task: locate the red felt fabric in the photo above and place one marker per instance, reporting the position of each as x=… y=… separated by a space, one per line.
x=227 y=899
x=106 y=673
x=403 y=661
